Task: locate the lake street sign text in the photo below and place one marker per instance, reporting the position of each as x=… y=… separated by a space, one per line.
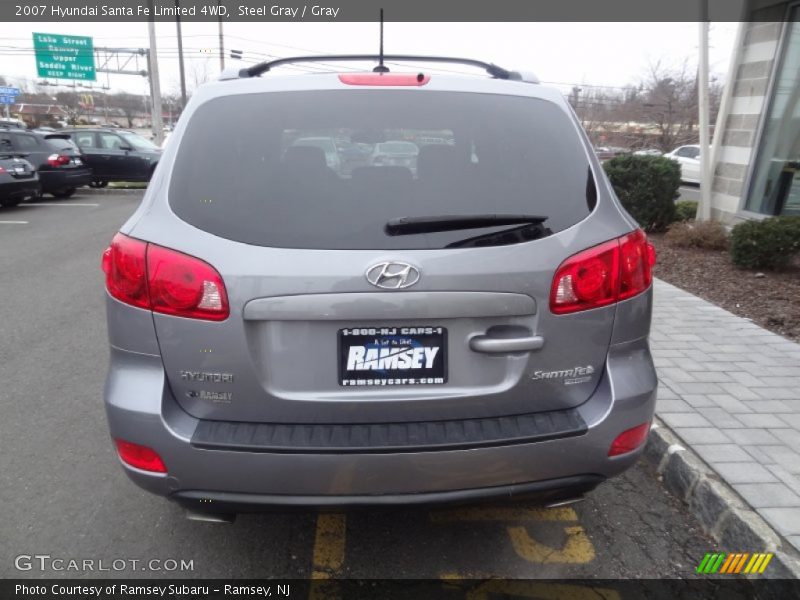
x=64 y=56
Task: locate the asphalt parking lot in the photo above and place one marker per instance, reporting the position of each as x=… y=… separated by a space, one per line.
x=63 y=494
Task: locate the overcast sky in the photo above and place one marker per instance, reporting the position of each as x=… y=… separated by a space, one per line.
x=601 y=54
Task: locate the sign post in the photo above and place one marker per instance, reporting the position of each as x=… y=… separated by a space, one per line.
x=64 y=56
x=8 y=95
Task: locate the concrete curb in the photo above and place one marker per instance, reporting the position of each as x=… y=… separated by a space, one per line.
x=723 y=514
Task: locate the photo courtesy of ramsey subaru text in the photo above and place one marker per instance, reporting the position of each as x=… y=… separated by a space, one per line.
x=376 y=288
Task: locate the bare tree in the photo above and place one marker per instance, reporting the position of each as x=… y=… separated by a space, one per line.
x=129 y=104
x=669 y=101
x=72 y=105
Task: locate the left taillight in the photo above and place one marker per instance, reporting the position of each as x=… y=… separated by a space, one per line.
x=163 y=280
x=58 y=160
x=140 y=457
x=609 y=272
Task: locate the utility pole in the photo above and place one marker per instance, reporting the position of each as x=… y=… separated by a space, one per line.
x=180 y=53
x=156 y=118
x=221 y=42
x=704 y=210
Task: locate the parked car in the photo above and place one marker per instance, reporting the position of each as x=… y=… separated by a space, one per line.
x=116 y=154
x=18 y=179
x=648 y=152
x=689 y=159
x=285 y=336
x=607 y=152
x=396 y=154
x=58 y=161
x=13 y=123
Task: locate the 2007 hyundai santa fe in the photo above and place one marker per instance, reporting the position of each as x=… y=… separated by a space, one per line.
x=377 y=288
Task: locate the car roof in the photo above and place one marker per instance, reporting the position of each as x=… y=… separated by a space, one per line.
x=271 y=82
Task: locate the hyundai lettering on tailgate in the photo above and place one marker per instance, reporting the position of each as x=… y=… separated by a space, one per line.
x=379 y=356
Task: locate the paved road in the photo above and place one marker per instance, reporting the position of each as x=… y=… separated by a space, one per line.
x=63 y=494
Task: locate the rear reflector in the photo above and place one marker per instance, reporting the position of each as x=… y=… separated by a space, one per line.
x=163 y=280
x=609 y=272
x=398 y=79
x=140 y=457
x=629 y=440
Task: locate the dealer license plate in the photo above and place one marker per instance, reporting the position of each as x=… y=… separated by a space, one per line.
x=383 y=356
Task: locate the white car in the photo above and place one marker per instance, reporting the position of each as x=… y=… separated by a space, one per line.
x=689 y=159
x=648 y=152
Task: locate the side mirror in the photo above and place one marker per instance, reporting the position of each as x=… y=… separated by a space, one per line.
x=125 y=148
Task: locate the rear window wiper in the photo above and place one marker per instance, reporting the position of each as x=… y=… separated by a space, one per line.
x=412 y=225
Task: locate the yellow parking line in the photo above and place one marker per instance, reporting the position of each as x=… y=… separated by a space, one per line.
x=328 y=545
x=577 y=550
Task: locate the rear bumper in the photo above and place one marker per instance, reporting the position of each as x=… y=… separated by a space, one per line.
x=66 y=178
x=548 y=491
x=19 y=188
x=141 y=409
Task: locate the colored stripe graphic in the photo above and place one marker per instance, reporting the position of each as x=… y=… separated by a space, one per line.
x=764 y=564
x=734 y=563
x=718 y=563
x=702 y=566
x=740 y=564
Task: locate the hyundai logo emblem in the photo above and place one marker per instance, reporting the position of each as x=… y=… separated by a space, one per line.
x=392 y=275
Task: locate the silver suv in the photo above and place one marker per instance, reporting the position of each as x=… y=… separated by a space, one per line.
x=472 y=325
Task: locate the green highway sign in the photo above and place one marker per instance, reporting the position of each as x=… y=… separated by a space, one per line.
x=64 y=56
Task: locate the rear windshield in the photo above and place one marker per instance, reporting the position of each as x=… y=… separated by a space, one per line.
x=329 y=169
x=138 y=142
x=61 y=144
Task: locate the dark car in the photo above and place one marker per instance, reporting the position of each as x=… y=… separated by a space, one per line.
x=57 y=160
x=18 y=180
x=116 y=155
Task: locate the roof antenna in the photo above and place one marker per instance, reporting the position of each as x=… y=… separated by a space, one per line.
x=381 y=68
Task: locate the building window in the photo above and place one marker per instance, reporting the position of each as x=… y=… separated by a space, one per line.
x=775 y=187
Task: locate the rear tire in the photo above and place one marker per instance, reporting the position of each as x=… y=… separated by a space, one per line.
x=10 y=202
x=65 y=193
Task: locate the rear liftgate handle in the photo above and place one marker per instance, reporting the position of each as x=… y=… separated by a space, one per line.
x=497 y=345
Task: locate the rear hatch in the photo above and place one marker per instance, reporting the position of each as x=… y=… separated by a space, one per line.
x=16 y=167
x=66 y=156
x=382 y=293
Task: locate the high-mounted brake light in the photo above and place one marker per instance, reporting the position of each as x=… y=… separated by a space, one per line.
x=164 y=280
x=609 y=272
x=629 y=440
x=140 y=457
x=397 y=79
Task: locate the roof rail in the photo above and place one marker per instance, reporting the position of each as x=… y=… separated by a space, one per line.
x=491 y=69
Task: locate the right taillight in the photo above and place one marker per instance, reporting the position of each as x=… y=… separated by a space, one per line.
x=604 y=274
x=164 y=280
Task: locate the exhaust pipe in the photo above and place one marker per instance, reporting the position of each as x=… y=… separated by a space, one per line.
x=209 y=517
x=565 y=502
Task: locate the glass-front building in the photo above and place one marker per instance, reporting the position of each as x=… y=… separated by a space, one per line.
x=775 y=180
x=757 y=150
